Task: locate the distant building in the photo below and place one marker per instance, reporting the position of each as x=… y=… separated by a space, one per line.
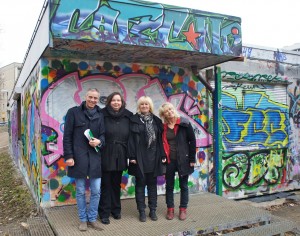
x=8 y=77
x=294 y=47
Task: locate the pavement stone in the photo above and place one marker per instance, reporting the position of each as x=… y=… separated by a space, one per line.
x=207 y=213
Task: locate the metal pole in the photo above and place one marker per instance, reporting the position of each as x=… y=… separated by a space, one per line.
x=217 y=130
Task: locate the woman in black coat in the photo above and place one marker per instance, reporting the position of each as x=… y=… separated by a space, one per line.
x=114 y=159
x=178 y=132
x=146 y=155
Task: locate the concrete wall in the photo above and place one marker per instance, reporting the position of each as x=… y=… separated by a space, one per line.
x=260 y=123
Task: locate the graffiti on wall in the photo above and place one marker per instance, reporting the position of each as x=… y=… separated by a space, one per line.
x=251 y=119
x=294 y=114
x=146 y=24
x=14 y=134
x=255 y=134
x=294 y=96
x=240 y=76
x=31 y=135
x=278 y=59
x=249 y=170
x=63 y=87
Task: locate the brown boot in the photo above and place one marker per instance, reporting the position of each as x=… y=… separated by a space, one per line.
x=170 y=214
x=182 y=213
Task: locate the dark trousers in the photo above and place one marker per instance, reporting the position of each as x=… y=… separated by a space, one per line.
x=141 y=182
x=183 y=184
x=110 y=202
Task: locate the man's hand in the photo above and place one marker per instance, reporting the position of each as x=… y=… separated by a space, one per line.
x=94 y=142
x=133 y=161
x=192 y=164
x=70 y=162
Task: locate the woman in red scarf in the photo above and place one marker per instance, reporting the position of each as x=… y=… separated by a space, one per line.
x=180 y=147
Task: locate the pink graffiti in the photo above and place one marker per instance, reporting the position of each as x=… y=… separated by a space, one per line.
x=203 y=138
x=132 y=86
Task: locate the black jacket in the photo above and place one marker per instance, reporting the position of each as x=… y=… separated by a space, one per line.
x=134 y=147
x=114 y=154
x=186 y=146
x=76 y=145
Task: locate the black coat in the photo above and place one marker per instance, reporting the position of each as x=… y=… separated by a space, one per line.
x=186 y=146
x=134 y=147
x=114 y=154
x=76 y=145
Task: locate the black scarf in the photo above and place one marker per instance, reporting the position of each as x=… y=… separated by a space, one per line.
x=113 y=113
x=90 y=112
x=150 y=133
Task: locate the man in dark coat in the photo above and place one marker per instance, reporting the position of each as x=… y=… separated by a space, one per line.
x=82 y=155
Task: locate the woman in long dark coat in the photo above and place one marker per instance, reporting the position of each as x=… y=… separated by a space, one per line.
x=114 y=159
x=180 y=147
x=146 y=155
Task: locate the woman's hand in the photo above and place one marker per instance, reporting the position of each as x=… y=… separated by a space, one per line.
x=192 y=164
x=133 y=161
x=164 y=160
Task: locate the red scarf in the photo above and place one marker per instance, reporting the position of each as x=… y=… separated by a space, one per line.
x=164 y=138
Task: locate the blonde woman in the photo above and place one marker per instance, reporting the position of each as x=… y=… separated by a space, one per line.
x=146 y=155
x=179 y=143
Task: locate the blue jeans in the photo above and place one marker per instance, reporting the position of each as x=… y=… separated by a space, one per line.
x=91 y=213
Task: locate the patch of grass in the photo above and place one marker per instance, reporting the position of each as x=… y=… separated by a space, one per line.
x=16 y=202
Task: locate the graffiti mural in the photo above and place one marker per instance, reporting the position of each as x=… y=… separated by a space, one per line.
x=64 y=84
x=249 y=170
x=252 y=118
x=136 y=22
x=14 y=134
x=31 y=135
x=260 y=105
x=255 y=133
x=294 y=114
x=235 y=76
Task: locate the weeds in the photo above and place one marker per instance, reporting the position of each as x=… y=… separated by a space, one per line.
x=16 y=202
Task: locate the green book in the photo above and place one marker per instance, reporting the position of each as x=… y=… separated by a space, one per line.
x=89 y=135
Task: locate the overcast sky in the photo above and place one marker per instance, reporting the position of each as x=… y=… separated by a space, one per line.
x=267 y=23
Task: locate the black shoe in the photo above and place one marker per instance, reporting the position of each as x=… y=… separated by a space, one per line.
x=153 y=215
x=142 y=216
x=116 y=216
x=105 y=221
